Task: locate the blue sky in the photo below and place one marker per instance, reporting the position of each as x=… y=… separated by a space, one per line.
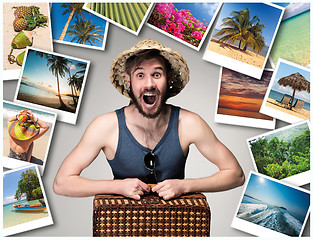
x=292 y=9
x=199 y=10
x=285 y=70
x=280 y=195
x=268 y=15
x=58 y=21
x=10 y=182
x=36 y=72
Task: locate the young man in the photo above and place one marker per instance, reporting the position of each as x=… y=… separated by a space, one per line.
x=148 y=139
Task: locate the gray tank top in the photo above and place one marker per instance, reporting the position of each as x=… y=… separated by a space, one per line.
x=129 y=157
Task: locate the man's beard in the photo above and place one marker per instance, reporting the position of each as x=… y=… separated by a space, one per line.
x=164 y=98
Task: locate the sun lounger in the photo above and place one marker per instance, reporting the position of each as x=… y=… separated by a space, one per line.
x=285 y=100
x=298 y=105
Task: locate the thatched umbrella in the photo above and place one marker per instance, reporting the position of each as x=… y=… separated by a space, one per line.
x=297 y=82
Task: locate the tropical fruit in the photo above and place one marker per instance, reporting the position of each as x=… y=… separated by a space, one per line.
x=23 y=11
x=28 y=18
x=19 y=24
x=20 y=58
x=21 y=40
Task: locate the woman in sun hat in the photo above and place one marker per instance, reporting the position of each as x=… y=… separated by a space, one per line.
x=148 y=141
x=24 y=129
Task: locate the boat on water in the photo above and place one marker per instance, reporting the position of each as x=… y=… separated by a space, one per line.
x=32 y=207
x=27 y=207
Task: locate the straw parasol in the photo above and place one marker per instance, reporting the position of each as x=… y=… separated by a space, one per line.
x=297 y=82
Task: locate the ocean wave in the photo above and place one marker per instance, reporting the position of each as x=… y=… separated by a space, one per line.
x=274 y=218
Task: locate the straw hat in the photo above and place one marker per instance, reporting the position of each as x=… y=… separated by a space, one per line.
x=179 y=66
x=21 y=129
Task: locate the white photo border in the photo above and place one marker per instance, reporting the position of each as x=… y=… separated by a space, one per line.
x=237 y=120
x=23 y=227
x=239 y=66
x=63 y=116
x=255 y=229
x=276 y=113
x=296 y=180
x=12 y=163
x=14 y=74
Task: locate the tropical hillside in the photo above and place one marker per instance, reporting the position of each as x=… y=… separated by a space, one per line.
x=279 y=158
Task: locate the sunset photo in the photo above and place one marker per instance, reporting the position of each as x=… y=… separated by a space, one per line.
x=240 y=99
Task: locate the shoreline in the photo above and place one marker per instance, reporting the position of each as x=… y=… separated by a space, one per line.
x=48 y=102
x=233 y=52
x=272 y=103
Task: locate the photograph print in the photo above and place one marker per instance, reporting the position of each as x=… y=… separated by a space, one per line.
x=73 y=25
x=24 y=24
x=288 y=95
x=283 y=154
x=292 y=41
x=240 y=98
x=188 y=23
x=53 y=82
x=129 y=16
x=26 y=142
x=25 y=205
x=243 y=36
x=271 y=208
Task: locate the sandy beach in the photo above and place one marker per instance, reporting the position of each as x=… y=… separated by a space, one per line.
x=42 y=37
x=48 y=102
x=233 y=52
x=40 y=145
x=304 y=114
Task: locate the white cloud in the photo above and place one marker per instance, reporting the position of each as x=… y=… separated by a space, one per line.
x=295 y=8
x=9 y=199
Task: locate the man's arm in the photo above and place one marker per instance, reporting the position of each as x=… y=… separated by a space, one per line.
x=99 y=136
x=194 y=130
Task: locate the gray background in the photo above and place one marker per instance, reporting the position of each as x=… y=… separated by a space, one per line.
x=73 y=216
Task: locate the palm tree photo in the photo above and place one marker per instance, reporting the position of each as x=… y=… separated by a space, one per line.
x=58 y=66
x=74 y=10
x=244 y=29
x=85 y=31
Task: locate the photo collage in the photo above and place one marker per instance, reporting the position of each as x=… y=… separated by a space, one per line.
x=261 y=50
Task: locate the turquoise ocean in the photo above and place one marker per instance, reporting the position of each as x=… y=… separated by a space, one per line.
x=11 y=217
x=292 y=41
x=278 y=96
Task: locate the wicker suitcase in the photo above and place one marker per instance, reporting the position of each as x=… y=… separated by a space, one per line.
x=151 y=216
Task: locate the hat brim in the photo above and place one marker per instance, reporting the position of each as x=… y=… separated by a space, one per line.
x=180 y=70
x=22 y=131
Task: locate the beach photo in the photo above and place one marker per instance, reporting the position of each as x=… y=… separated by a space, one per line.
x=240 y=98
x=53 y=82
x=25 y=206
x=283 y=154
x=129 y=16
x=188 y=23
x=243 y=36
x=24 y=24
x=270 y=208
x=292 y=41
x=14 y=139
x=73 y=25
x=288 y=95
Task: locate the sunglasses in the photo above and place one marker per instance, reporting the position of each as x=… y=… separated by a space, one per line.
x=149 y=161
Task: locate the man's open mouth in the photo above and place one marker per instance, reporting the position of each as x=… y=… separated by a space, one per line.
x=149 y=98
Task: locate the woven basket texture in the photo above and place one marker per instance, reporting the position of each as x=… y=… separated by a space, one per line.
x=151 y=216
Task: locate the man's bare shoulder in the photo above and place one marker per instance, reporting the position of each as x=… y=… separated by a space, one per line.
x=188 y=117
x=103 y=125
x=105 y=121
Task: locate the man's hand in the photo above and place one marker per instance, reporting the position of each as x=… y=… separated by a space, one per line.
x=169 y=189
x=133 y=188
